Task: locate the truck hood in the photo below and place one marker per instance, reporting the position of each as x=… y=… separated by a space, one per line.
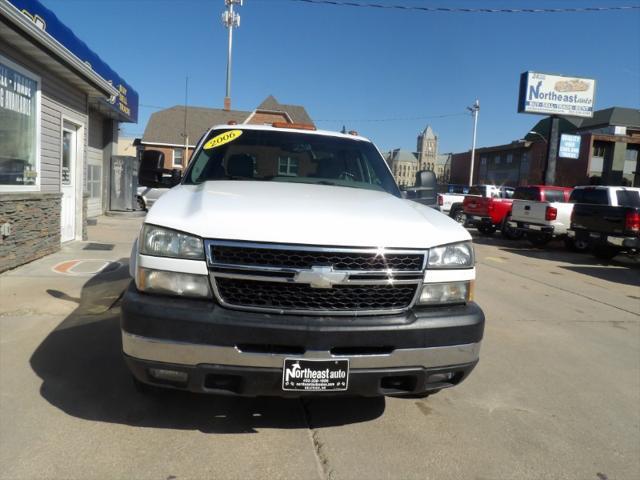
x=305 y=214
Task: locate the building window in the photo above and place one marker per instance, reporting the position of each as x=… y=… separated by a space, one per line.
x=178 y=157
x=94 y=177
x=497 y=160
x=287 y=166
x=509 y=158
x=19 y=128
x=483 y=160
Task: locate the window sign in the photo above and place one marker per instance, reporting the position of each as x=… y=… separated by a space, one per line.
x=19 y=112
x=569 y=146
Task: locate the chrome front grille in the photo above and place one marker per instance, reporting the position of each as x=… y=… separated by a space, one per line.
x=290 y=258
x=314 y=280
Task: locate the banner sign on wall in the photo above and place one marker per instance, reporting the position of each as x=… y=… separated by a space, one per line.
x=546 y=94
x=569 y=146
x=126 y=102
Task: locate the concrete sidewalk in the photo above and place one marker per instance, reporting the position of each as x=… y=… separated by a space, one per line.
x=52 y=284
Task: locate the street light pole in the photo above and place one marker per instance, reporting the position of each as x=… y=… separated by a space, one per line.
x=474 y=109
x=231 y=20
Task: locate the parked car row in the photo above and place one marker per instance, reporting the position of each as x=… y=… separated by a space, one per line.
x=603 y=219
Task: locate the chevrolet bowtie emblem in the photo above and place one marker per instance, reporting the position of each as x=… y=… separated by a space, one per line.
x=320 y=277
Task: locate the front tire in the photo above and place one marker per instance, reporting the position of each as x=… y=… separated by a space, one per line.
x=459 y=216
x=141 y=205
x=486 y=229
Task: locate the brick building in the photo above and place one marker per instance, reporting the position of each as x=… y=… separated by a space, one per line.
x=166 y=131
x=609 y=151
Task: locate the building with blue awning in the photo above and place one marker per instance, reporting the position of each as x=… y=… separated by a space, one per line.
x=60 y=109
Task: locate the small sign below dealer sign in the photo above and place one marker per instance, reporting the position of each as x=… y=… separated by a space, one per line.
x=569 y=146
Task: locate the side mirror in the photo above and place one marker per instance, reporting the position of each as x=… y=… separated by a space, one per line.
x=151 y=169
x=427 y=188
x=426 y=179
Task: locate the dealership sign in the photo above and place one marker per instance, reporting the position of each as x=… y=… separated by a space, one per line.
x=569 y=146
x=556 y=95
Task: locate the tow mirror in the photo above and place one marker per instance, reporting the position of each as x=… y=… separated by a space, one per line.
x=151 y=169
x=426 y=188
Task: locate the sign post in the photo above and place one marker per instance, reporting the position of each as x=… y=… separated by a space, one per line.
x=552 y=151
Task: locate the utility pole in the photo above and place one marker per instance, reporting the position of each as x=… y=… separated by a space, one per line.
x=185 y=160
x=474 y=109
x=231 y=20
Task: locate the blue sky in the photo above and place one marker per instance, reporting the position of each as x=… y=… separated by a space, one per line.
x=380 y=72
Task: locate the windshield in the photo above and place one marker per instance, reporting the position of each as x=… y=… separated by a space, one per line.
x=292 y=157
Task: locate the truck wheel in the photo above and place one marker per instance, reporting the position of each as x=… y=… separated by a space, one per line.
x=486 y=229
x=459 y=216
x=605 y=252
x=508 y=232
x=538 y=239
x=576 y=245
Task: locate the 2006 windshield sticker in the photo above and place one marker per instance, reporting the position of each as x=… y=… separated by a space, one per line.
x=222 y=139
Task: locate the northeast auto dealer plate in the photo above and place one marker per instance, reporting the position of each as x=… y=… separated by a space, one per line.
x=315 y=375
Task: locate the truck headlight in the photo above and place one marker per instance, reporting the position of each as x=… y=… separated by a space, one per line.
x=163 y=242
x=446 y=293
x=454 y=255
x=172 y=283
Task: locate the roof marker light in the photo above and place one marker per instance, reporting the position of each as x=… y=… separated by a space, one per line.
x=296 y=126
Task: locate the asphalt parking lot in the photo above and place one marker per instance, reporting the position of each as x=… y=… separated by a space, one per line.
x=556 y=393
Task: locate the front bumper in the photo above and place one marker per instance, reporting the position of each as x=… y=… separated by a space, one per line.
x=242 y=353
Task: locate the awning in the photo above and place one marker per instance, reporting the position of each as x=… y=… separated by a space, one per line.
x=36 y=31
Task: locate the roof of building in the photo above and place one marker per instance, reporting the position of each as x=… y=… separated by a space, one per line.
x=443 y=158
x=297 y=113
x=167 y=126
x=614 y=116
x=399 y=155
x=619 y=116
x=428 y=132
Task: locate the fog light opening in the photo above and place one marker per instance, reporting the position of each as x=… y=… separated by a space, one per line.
x=405 y=383
x=169 y=376
x=441 y=377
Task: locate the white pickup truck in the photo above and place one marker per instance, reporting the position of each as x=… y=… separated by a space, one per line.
x=287 y=263
x=543 y=213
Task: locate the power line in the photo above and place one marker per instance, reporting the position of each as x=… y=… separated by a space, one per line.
x=393 y=119
x=338 y=3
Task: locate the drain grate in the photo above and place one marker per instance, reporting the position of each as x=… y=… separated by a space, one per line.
x=99 y=246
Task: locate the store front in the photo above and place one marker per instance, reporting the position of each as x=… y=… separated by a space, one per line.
x=60 y=107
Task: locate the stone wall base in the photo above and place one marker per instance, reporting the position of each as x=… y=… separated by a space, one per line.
x=34 y=222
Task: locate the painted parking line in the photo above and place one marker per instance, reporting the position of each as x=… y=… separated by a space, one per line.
x=84 y=267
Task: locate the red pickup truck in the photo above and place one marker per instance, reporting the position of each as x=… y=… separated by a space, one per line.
x=490 y=214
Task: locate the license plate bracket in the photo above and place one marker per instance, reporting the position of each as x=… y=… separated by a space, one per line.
x=302 y=375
